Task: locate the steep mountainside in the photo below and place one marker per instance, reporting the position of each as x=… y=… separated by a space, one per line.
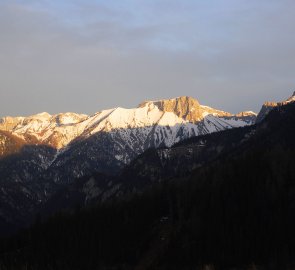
x=269 y=106
x=50 y=151
x=92 y=158
x=22 y=188
x=118 y=136
x=181 y=159
x=59 y=130
x=236 y=211
x=154 y=166
x=43 y=128
x=9 y=144
x=161 y=164
x=111 y=139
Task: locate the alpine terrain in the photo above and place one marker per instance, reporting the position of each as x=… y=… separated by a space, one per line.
x=42 y=153
x=169 y=185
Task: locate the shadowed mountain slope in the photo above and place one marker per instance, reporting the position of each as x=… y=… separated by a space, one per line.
x=234 y=212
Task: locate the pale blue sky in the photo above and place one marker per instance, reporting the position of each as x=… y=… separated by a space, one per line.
x=85 y=56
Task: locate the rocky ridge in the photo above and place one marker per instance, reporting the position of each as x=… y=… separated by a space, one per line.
x=269 y=106
x=61 y=129
x=113 y=138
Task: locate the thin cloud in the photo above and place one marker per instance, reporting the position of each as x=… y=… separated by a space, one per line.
x=85 y=56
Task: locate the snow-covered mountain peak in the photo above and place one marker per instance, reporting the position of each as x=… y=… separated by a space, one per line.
x=69 y=118
x=8 y=123
x=206 y=110
x=291 y=99
x=184 y=107
x=42 y=115
x=246 y=113
x=182 y=114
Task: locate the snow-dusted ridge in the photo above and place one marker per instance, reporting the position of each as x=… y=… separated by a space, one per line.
x=183 y=113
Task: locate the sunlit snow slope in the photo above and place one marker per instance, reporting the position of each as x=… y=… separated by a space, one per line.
x=165 y=117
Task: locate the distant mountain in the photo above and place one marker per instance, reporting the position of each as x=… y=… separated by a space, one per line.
x=9 y=143
x=64 y=159
x=268 y=106
x=163 y=163
x=43 y=128
x=225 y=201
x=43 y=153
x=111 y=139
x=61 y=129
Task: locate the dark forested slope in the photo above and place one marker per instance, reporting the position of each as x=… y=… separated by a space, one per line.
x=237 y=211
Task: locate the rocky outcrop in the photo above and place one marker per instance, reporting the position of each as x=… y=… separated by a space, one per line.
x=184 y=107
x=9 y=144
x=61 y=129
x=188 y=108
x=53 y=130
x=246 y=114
x=268 y=106
x=109 y=140
x=9 y=123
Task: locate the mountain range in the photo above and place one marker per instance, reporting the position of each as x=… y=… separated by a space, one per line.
x=182 y=113
x=220 y=200
x=55 y=161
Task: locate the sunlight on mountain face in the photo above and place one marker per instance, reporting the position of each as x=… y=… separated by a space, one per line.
x=89 y=180
x=140 y=189
x=183 y=112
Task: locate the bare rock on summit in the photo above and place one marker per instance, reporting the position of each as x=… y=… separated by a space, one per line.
x=9 y=144
x=184 y=107
x=184 y=116
x=268 y=106
x=8 y=123
x=187 y=108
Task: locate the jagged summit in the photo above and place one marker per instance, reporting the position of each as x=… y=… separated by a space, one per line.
x=181 y=99
x=246 y=113
x=185 y=113
x=185 y=107
x=291 y=99
x=189 y=108
x=41 y=115
x=268 y=106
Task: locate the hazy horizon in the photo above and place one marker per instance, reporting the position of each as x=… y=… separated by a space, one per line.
x=86 y=56
x=132 y=107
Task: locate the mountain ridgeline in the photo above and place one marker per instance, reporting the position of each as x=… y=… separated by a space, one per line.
x=171 y=184
x=50 y=152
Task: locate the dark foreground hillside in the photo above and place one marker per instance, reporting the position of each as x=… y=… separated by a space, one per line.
x=238 y=212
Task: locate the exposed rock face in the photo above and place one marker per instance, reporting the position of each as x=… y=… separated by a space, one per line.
x=156 y=165
x=111 y=139
x=59 y=130
x=246 y=114
x=290 y=99
x=43 y=128
x=9 y=123
x=184 y=107
x=106 y=141
x=268 y=106
x=82 y=145
x=9 y=144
